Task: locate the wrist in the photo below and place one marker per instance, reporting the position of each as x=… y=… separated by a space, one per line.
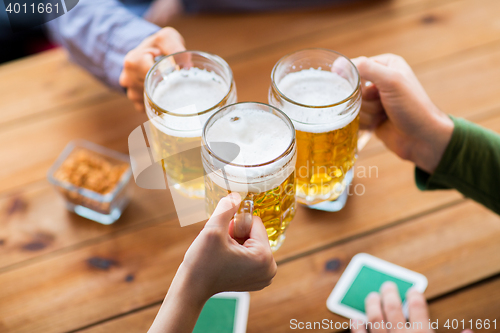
x=181 y=307
x=435 y=140
x=191 y=287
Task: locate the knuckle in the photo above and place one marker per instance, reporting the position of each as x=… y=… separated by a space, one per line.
x=225 y=204
x=403 y=152
x=362 y=59
x=139 y=107
x=137 y=100
x=273 y=269
x=169 y=32
x=261 y=285
x=395 y=79
x=267 y=283
x=123 y=79
x=169 y=35
x=157 y=38
x=165 y=33
x=416 y=301
x=129 y=61
x=265 y=261
x=375 y=317
x=362 y=63
x=262 y=260
x=130 y=94
x=399 y=62
x=212 y=234
x=398 y=58
x=392 y=307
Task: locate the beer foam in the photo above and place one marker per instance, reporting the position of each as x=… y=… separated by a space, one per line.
x=193 y=86
x=187 y=92
x=316 y=87
x=261 y=137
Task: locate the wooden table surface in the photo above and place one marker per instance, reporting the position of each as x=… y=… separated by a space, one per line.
x=49 y=278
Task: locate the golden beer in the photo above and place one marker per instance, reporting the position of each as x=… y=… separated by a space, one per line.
x=275 y=207
x=262 y=170
x=181 y=92
x=323 y=159
x=320 y=91
x=181 y=160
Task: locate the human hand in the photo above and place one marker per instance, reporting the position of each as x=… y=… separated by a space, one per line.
x=139 y=60
x=217 y=262
x=385 y=312
x=399 y=109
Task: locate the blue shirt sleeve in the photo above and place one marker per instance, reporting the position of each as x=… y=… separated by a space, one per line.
x=98 y=34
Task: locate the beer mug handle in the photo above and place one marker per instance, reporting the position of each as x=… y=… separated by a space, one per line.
x=363 y=138
x=243 y=219
x=364 y=135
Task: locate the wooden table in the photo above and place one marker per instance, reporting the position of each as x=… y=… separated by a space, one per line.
x=61 y=273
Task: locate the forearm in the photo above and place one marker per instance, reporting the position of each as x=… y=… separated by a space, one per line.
x=433 y=140
x=182 y=306
x=470 y=164
x=98 y=34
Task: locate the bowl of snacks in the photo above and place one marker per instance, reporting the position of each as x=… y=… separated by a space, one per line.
x=94 y=180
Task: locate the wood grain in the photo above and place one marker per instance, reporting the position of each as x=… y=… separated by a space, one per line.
x=91 y=284
x=409 y=36
x=404 y=27
x=243 y=35
x=53 y=82
x=38 y=216
x=60 y=272
x=139 y=322
x=107 y=123
x=92 y=119
x=478 y=302
x=452 y=248
x=35 y=222
x=43 y=83
x=310 y=229
x=37 y=211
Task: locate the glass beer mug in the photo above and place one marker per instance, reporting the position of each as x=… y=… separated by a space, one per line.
x=249 y=148
x=320 y=91
x=181 y=91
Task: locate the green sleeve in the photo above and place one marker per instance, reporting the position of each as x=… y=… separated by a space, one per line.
x=470 y=164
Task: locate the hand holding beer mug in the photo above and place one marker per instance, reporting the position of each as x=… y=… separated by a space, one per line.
x=249 y=148
x=181 y=92
x=403 y=115
x=320 y=91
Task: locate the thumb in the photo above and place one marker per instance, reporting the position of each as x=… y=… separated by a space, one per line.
x=148 y=60
x=373 y=71
x=225 y=210
x=258 y=231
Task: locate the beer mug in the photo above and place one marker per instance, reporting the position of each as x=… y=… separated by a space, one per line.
x=249 y=148
x=181 y=91
x=320 y=91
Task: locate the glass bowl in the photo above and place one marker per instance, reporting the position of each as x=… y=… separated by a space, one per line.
x=106 y=207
